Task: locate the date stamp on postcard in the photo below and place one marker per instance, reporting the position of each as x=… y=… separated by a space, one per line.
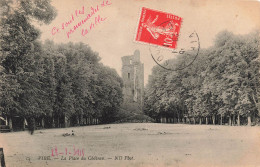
x=158 y=28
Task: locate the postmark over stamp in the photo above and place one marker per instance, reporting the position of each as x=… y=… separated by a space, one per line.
x=158 y=28
x=161 y=31
x=189 y=46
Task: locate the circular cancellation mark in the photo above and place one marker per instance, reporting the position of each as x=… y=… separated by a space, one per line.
x=162 y=54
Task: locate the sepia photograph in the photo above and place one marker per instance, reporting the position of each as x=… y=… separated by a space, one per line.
x=129 y=83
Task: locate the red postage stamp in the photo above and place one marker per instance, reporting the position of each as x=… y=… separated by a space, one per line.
x=158 y=28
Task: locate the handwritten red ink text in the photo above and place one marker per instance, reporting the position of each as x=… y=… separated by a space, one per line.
x=70 y=27
x=66 y=151
x=98 y=19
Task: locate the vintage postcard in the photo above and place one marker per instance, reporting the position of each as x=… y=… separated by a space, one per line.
x=130 y=83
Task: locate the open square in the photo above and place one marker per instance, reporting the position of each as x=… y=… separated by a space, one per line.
x=136 y=144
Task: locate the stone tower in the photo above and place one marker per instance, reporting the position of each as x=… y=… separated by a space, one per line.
x=133 y=78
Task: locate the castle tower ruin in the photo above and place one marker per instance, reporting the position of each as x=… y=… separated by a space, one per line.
x=133 y=78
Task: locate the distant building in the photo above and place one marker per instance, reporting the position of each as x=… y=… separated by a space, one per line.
x=133 y=78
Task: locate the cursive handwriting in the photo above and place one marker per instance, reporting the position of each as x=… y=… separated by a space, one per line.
x=98 y=19
x=75 y=27
x=70 y=27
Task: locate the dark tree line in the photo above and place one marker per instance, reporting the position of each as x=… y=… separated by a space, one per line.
x=221 y=86
x=79 y=86
x=59 y=83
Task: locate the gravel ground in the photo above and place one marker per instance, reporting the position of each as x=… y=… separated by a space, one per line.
x=136 y=144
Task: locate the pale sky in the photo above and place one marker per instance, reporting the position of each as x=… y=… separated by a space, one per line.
x=114 y=37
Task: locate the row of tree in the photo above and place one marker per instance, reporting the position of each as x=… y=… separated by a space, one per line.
x=58 y=82
x=221 y=86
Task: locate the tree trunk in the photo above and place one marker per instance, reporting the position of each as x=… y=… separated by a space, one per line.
x=58 y=121
x=206 y=120
x=81 y=119
x=200 y=120
x=77 y=117
x=65 y=121
x=23 y=123
x=238 y=120
x=10 y=123
x=234 y=120
x=221 y=119
x=229 y=120
x=85 y=120
x=6 y=121
x=249 y=120
x=43 y=125
x=213 y=119
x=194 y=120
x=31 y=124
x=53 y=122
